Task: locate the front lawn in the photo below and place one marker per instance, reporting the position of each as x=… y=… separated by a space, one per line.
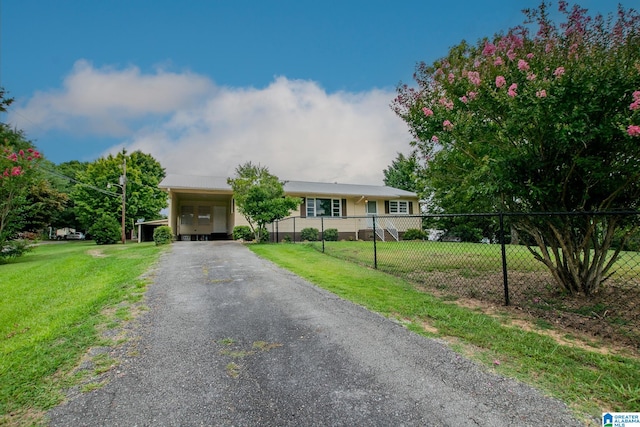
x=51 y=305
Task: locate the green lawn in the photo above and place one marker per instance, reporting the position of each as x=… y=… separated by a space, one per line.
x=588 y=381
x=51 y=303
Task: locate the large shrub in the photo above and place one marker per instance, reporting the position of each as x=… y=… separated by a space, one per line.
x=330 y=235
x=242 y=232
x=106 y=231
x=309 y=234
x=162 y=235
x=414 y=234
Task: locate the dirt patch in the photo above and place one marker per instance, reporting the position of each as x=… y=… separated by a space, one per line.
x=96 y=253
x=608 y=321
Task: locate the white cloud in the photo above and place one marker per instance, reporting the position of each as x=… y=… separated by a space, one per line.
x=109 y=102
x=294 y=127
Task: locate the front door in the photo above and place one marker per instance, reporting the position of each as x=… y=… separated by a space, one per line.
x=220 y=219
x=371 y=208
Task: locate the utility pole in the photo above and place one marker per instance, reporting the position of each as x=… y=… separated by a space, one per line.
x=123 y=183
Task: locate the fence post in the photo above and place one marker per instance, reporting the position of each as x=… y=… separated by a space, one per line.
x=322 y=231
x=375 y=249
x=504 y=260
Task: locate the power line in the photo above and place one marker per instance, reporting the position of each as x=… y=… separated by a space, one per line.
x=59 y=175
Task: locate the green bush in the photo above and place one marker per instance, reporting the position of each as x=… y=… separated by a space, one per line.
x=330 y=234
x=106 y=231
x=162 y=235
x=467 y=233
x=242 y=232
x=414 y=234
x=309 y=234
x=14 y=249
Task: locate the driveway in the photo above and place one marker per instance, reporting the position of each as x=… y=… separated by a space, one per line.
x=233 y=340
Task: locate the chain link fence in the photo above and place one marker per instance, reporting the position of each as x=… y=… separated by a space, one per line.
x=479 y=257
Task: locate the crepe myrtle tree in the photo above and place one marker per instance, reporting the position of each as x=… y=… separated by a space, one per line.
x=17 y=175
x=544 y=118
x=259 y=197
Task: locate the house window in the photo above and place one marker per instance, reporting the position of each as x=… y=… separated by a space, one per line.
x=186 y=215
x=323 y=207
x=398 y=207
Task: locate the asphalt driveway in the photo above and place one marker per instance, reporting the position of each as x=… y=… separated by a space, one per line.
x=232 y=340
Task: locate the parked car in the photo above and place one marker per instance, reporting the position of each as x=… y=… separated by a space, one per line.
x=75 y=236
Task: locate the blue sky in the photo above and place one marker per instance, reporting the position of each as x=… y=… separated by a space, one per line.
x=302 y=87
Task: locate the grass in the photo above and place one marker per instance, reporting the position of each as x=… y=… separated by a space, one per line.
x=50 y=311
x=588 y=381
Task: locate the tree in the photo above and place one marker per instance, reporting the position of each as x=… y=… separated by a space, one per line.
x=43 y=203
x=260 y=197
x=544 y=122
x=403 y=173
x=144 y=199
x=17 y=174
x=63 y=179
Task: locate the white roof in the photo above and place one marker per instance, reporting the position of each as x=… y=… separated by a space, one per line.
x=301 y=188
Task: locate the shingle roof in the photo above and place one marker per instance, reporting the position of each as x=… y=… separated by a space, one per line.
x=301 y=188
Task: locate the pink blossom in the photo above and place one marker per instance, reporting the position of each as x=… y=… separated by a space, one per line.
x=435 y=139
x=489 y=49
x=13 y=156
x=36 y=154
x=529 y=55
x=476 y=63
x=633 y=130
x=512 y=90
x=531 y=77
x=6 y=172
x=451 y=77
x=636 y=95
x=448 y=125
x=500 y=81
x=523 y=65
x=21 y=153
x=474 y=77
x=16 y=170
x=559 y=71
x=427 y=111
x=446 y=103
x=472 y=95
x=498 y=61
x=511 y=54
x=541 y=93
x=635 y=105
x=464 y=99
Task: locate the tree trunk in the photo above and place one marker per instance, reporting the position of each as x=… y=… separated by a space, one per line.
x=576 y=249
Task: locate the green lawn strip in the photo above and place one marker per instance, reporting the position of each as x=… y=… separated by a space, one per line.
x=49 y=311
x=588 y=381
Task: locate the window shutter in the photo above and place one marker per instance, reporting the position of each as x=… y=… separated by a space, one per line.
x=386 y=206
x=410 y=208
x=344 y=207
x=303 y=208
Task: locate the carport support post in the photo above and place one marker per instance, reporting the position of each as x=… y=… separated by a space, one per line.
x=294 y=229
x=505 y=279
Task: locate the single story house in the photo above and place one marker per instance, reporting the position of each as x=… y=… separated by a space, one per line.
x=203 y=208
